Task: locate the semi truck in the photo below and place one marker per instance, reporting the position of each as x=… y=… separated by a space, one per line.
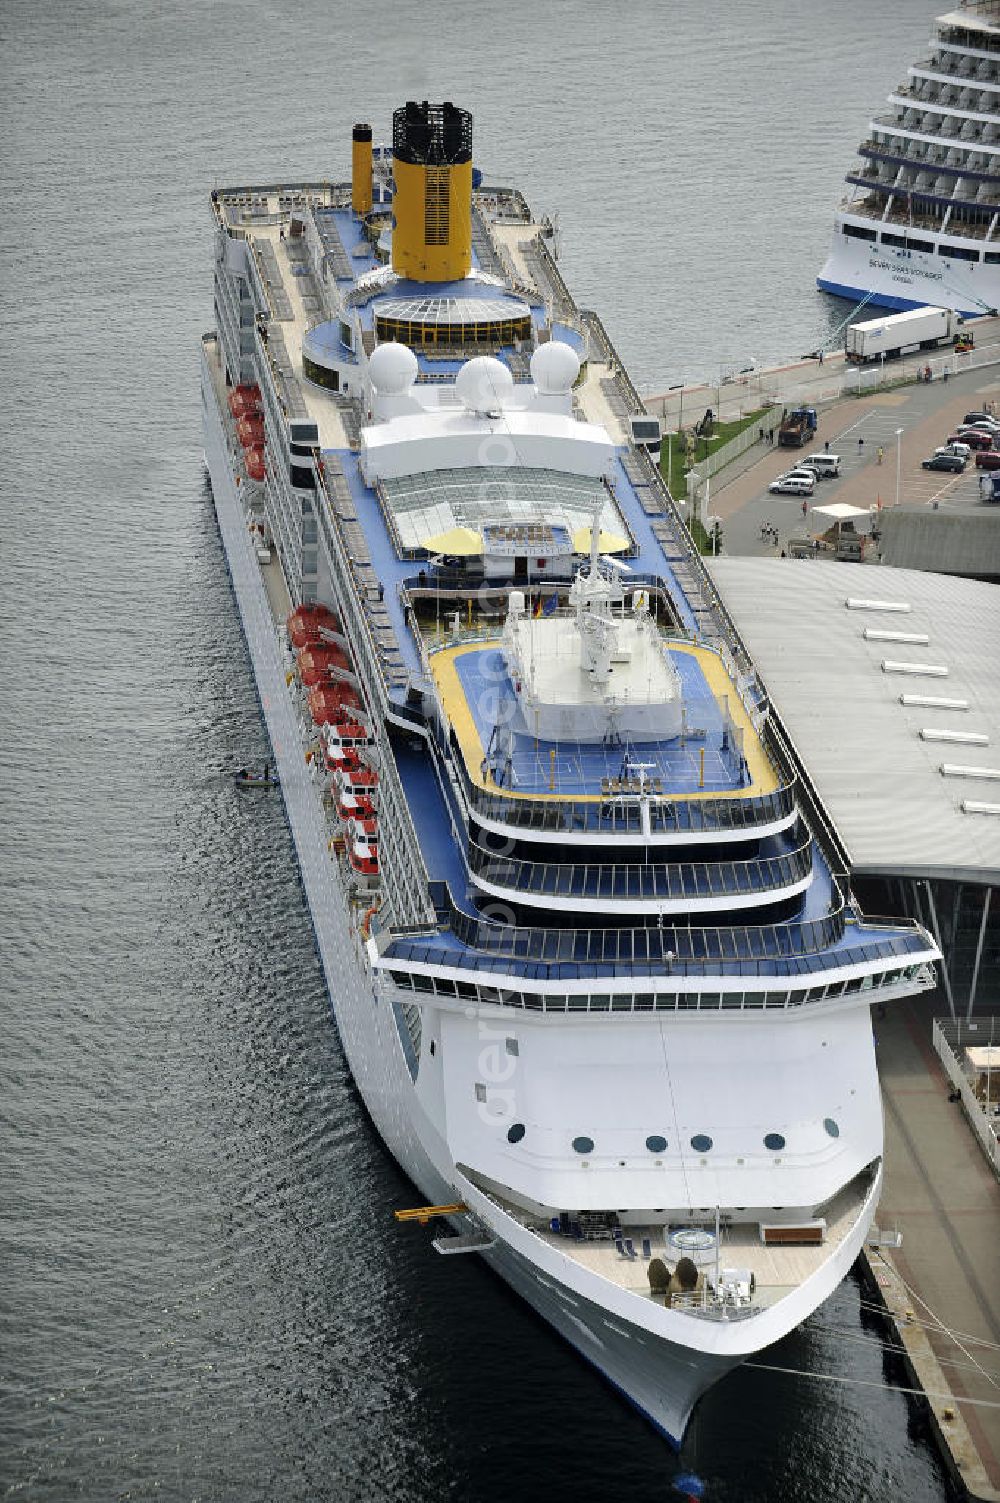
x=797 y=426
x=902 y=334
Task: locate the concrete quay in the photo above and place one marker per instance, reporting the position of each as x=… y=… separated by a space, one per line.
x=809 y=382
x=941 y=1285
x=856 y=429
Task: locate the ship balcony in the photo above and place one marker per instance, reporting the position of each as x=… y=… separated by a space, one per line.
x=910 y=204
x=931 y=160
x=646 y=887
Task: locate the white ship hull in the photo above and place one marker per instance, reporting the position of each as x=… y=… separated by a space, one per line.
x=629 y=1341
x=901 y=279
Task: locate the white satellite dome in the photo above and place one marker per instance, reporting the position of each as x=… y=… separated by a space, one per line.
x=484 y=384
x=554 y=368
x=392 y=368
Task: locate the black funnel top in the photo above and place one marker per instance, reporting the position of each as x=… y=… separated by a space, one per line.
x=432 y=135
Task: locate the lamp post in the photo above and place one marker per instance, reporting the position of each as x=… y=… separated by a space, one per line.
x=899 y=454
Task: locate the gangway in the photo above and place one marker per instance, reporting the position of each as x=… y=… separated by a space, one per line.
x=849 y=319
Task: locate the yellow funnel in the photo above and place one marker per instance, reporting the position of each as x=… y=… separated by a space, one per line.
x=361 y=169
x=432 y=202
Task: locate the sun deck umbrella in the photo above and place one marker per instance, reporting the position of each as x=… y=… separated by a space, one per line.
x=457 y=542
x=607 y=542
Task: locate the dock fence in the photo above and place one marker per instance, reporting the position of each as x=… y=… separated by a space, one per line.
x=949 y=1040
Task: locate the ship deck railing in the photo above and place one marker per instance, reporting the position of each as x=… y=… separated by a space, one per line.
x=796 y=947
x=622 y=812
x=645 y=881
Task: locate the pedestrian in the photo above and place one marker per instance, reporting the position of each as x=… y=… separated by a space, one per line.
x=760 y=435
x=821 y=357
x=861 y=443
x=826 y=447
x=805 y=508
x=783 y=553
x=881 y=453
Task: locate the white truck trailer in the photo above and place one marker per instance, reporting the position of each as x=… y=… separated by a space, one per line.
x=901 y=334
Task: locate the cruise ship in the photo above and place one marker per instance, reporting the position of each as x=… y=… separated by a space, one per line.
x=589 y=943
x=921 y=224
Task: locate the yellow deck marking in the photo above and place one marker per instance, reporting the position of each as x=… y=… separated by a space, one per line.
x=764 y=778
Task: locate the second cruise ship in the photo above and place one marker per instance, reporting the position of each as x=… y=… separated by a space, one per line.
x=922 y=221
x=592 y=955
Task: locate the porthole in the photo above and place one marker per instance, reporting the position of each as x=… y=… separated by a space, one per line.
x=583 y=1145
x=656 y=1144
x=831 y=1127
x=515 y=1132
x=701 y=1143
x=774 y=1141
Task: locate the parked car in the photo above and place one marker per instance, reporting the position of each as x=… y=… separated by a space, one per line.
x=952 y=462
x=977 y=417
x=794 y=485
x=972 y=436
x=962 y=450
x=986 y=425
x=988 y=459
x=826 y=466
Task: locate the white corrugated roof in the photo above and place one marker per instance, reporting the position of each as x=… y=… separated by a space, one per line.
x=877 y=776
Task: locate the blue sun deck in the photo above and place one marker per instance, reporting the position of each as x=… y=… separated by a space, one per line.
x=575 y=768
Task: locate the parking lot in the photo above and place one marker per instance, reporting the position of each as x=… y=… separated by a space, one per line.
x=856 y=430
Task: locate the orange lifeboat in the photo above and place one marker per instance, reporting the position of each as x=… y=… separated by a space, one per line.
x=356 y=793
x=254 y=459
x=305 y=621
x=327 y=702
x=244 y=400
x=250 y=430
x=346 y=732
x=315 y=662
x=363 y=857
x=343 y=760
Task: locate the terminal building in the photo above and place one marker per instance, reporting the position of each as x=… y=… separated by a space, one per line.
x=884 y=683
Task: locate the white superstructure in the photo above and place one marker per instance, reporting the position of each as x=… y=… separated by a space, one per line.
x=922 y=221
x=595 y=976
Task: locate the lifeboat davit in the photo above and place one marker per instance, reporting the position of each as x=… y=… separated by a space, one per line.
x=254 y=460
x=250 y=431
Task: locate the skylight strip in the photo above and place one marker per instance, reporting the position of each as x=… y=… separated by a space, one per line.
x=918 y=638
x=854 y=604
x=967 y=738
x=973 y=806
x=925 y=670
x=931 y=702
x=954 y=770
